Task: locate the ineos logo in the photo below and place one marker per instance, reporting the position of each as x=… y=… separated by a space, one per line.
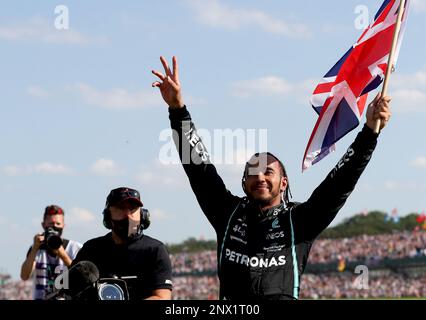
x=275 y=235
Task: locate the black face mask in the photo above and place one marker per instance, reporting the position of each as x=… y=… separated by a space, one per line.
x=126 y=230
x=121 y=228
x=57 y=229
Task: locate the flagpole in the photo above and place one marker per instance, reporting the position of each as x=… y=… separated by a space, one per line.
x=391 y=56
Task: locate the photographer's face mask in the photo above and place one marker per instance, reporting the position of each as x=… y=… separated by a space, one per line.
x=57 y=229
x=55 y=222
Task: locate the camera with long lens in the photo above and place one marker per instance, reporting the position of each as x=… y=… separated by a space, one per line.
x=52 y=238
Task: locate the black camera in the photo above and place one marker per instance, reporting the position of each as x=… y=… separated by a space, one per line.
x=86 y=285
x=101 y=289
x=112 y=289
x=52 y=238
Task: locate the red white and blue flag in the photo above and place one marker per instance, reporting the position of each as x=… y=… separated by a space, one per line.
x=341 y=96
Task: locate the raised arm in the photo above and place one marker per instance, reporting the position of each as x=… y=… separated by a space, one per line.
x=206 y=183
x=313 y=216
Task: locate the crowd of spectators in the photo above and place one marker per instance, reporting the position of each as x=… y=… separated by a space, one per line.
x=200 y=262
x=362 y=248
x=196 y=288
x=194 y=274
x=392 y=246
x=14 y=289
x=323 y=286
x=345 y=286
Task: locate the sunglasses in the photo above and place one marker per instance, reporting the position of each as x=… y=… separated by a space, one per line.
x=118 y=194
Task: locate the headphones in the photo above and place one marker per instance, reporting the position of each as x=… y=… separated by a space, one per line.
x=145 y=218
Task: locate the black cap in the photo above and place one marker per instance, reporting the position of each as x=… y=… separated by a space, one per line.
x=121 y=194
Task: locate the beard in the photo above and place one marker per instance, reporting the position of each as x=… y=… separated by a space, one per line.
x=265 y=198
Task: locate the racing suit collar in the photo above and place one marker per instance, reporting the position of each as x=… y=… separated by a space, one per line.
x=273 y=211
x=262 y=214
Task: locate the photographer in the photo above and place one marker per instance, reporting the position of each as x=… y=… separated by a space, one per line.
x=126 y=254
x=49 y=254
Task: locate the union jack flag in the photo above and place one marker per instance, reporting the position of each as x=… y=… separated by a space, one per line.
x=340 y=98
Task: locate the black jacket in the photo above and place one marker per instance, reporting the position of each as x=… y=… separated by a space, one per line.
x=261 y=255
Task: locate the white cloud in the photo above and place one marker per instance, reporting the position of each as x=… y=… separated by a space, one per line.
x=409 y=100
x=36 y=91
x=416 y=80
x=408 y=92
x=419 y=162
x=106 y=167
x=52 y=168
x=412 y=98
x=171 y=175
x=391 y=185
x=274 y=86
x=419 y=6
x=405 y=185
x=3 y=220
x=44 y=168
x=82 y=224
x=334 y=28
x=269 y=85
x=12 y=170
x=159 y=175
x=43 y=30
x=80 y=215
x=195 y=101
x=118 y=98
x=366 y=187
x=159 y=214
x=215 y=14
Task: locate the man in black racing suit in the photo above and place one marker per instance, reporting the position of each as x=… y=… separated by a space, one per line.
x=263 y=240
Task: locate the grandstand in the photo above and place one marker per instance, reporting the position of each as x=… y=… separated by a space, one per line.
x=393 y=251
x=396 y=268
x=14 y=289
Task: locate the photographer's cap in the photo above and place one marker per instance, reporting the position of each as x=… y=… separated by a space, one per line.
x=122 y=194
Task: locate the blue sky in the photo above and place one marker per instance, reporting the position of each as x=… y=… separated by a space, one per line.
x=79 y=117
